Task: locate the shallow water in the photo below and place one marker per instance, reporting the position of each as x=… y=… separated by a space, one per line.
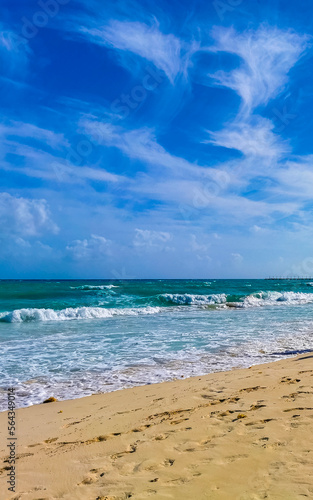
x=73 y=338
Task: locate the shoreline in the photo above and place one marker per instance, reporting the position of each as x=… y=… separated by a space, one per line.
x=278 y=357
x=244 y=433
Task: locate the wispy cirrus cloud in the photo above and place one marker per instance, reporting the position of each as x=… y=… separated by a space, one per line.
x=255 y=139
x=295 y=179
x=14 y=51
x=166 y=51
x=205 y=189
x=146 y=182
x=16 y=129
x=140 y=144
x=267 y=55
x=28 y=142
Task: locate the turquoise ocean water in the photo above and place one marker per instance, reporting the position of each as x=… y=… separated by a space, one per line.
x=73 y=338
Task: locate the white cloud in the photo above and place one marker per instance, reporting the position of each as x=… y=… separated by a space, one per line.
x=14 y=51
x=41 y=164
x=237 y=258
x=22 y=243
x=156 y=240
x=96 y=247
x=140 y=144
x=256 y=229
x=203 y=190
x=28 y=130
x=267 y=56
x=251 y=140
x=295 y=179
x=24 y=218
x=198 y=247
x=164 y=51
x=65 y=173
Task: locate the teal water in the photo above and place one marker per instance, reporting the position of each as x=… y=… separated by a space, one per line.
x=73 y=338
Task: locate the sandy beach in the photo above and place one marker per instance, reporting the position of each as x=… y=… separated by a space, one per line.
x=243 y=434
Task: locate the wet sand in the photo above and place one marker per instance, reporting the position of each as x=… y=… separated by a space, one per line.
x=244 y=434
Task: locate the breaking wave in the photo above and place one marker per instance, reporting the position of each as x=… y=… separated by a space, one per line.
x=189 y=299
x=93 y=287
x=272 y=298
x=253 y=300
x=222 y=300
x=26 y=315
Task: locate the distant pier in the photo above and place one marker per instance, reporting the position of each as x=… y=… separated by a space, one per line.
x=287 y=278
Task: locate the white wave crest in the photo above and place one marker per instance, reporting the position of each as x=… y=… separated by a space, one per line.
x=93 y=287
x=186 y=298
x=253 y=300
x=78 y=313
x=276 y=298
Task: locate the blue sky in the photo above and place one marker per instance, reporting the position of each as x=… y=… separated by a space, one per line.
x=156 y=139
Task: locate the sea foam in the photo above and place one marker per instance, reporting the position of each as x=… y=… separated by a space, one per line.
x=253 y=300
x=78 y=313
x=276 y=298
x=190 y=299
x=223 y=300
x=94 y=287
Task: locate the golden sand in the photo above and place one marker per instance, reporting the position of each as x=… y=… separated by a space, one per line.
x=243 y=434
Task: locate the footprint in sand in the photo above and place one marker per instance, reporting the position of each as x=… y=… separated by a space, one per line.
x=20 y=455
x=261 y=442
x=131 y=449
x=256 y=407
x=233 y=458
x=34 y=445
x=160 y=437
x=50 y=440
x=110 y=497
x=288 y=380
x=299 y=408
x=175 y=422
x=168 y=462
x=88 y=480
x=250 y=389
x=142 y=428
x=264 y=421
